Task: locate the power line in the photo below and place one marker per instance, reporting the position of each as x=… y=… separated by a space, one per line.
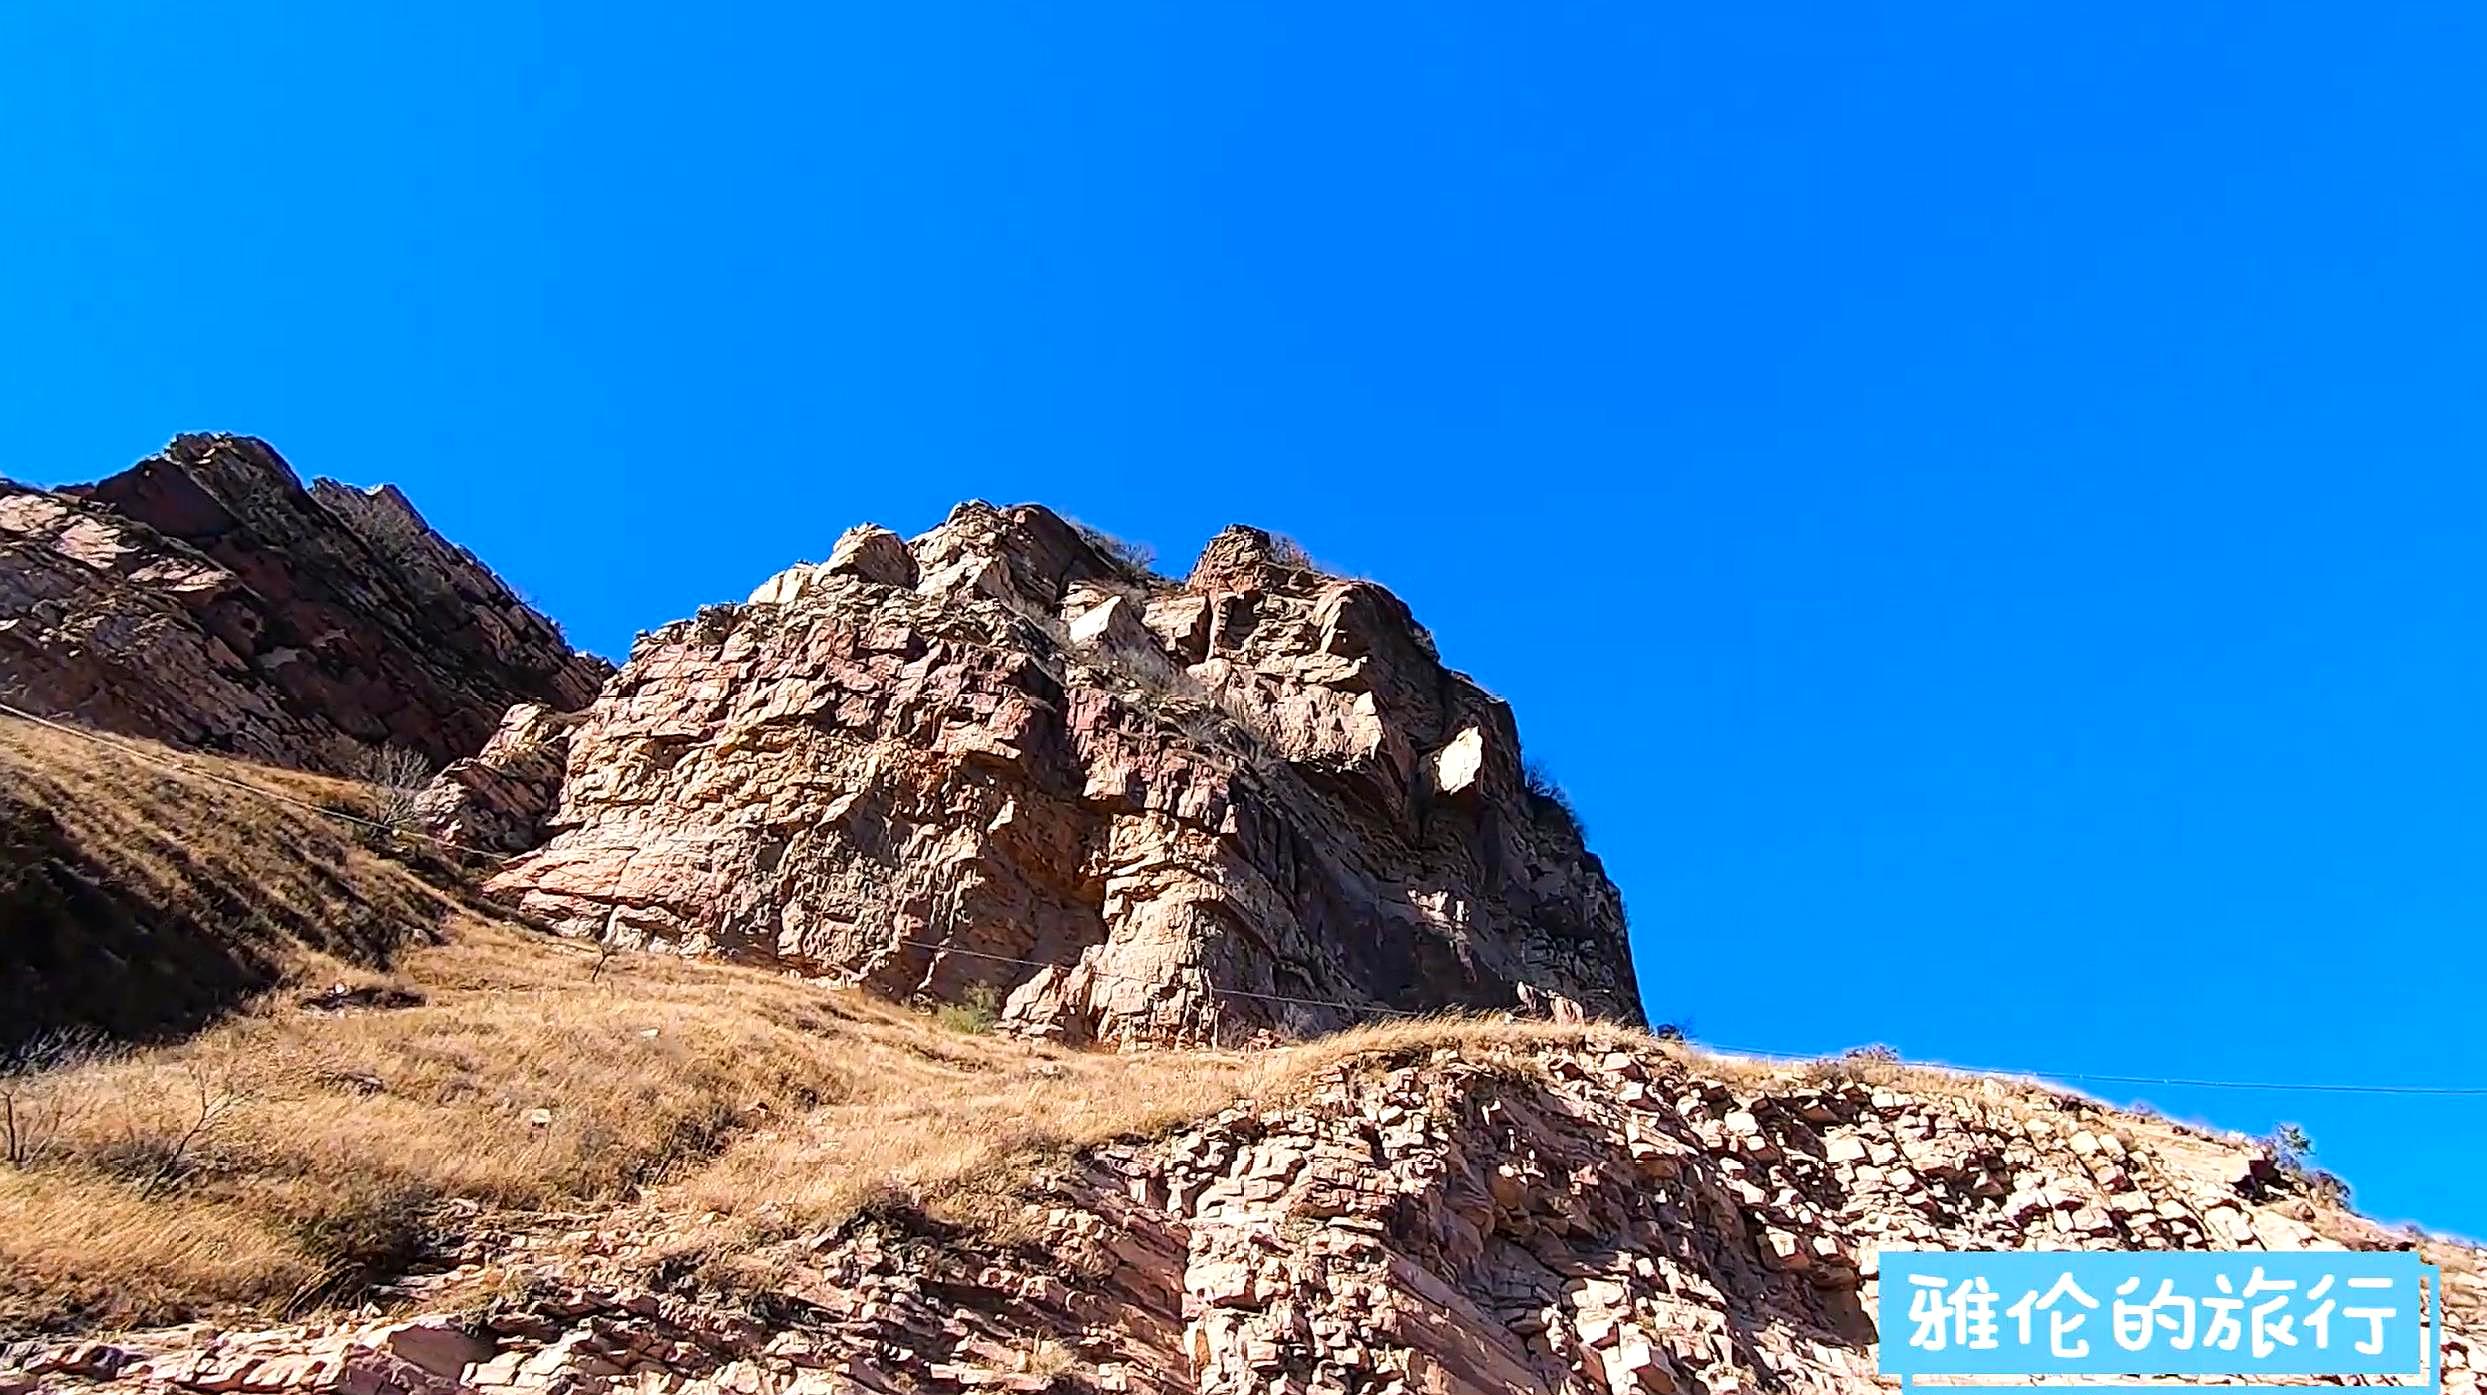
x=2302 y=1087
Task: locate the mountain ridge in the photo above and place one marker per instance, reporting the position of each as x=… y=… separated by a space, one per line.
x=206 y=597
x=700 y=1079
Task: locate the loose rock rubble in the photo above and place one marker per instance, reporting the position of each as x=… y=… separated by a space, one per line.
x=1141 y=810
x=1593 y=1219
x=204 y=598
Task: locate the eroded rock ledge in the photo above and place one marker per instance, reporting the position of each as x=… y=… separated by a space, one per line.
x=1177 y=804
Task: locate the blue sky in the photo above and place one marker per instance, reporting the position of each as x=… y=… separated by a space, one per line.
x=1981 y=504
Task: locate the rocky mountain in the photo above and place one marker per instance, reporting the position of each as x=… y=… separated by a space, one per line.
x=999 y=757
x=204 y=597
x=1003 y=755
x=446 y=1151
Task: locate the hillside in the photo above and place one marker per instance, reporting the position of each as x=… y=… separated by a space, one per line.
x=145 y=891
x=533 y=1164
x=1005 y=756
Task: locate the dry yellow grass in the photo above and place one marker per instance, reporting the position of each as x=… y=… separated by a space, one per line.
x=284 y=1156
x=532 y=1078
x=278 y=1161
x=529 y=1079
x=142 y=900
x=317 y=1146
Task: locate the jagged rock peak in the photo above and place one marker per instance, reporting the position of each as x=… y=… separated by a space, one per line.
x=1005 y=752
x=206 y=598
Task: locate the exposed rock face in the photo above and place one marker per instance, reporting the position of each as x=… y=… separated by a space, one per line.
x=496 y=800
x=1570 y=1220
x=1180 y=805
x=205 y=598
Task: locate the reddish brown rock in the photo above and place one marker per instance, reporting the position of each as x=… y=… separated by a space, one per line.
x=205 y=598
x=1142 y=809
x=1488 y=1218
x=496 y=800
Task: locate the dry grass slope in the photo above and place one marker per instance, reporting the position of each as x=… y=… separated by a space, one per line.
x=289 y=1155
x=287 y=1159
x=140 y=901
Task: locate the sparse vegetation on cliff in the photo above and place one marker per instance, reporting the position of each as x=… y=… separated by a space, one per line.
x=1136 y=562
x=1550 y=801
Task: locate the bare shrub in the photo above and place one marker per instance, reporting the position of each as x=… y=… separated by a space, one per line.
x=1047 y=1359
x=1200 y=726
x=2293 y=1151
x=1287 y=552
x=35 y=1102
x=1255 y=721
x=1150 y=672
x=1876 y=1064
x=397 y=776
x=1135 y=561
x=1202 y=712
x=1550 y=802
x=158 y=1134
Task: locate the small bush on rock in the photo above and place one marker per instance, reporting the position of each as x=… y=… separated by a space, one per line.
x=1136 y=561
x=397 y=776
x=1550 y=803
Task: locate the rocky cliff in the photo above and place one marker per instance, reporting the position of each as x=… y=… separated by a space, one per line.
x=1003 y=755
x=205 y=598
x=1454 y=1212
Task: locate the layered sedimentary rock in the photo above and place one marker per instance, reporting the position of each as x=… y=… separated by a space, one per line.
x=205 y=598
x=496 y=801
x=1578 y=1219
x=1001 y=754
